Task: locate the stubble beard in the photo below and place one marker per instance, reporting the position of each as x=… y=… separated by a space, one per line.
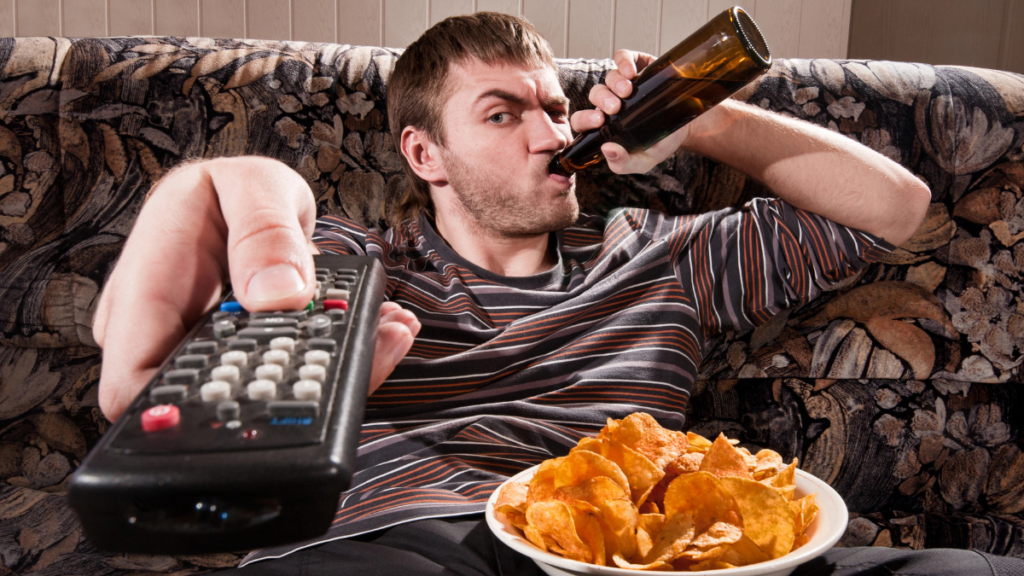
x=495 y=207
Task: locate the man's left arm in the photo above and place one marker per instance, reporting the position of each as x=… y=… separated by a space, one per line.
x=810 y=167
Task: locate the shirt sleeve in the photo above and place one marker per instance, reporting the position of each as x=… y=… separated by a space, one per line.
x=336 y=235
x=744 y=266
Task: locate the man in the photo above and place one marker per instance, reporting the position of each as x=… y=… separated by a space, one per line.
x=514 y=325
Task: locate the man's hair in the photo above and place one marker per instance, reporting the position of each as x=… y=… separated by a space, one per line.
x=418 y=88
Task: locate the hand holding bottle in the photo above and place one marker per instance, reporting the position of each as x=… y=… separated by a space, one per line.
x=607 y=98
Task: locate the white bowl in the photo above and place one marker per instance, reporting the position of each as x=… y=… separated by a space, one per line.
x=824 y=531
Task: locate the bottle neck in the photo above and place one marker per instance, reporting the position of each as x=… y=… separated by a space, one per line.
x=584 y=151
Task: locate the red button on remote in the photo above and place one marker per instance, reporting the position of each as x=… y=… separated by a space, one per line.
x=335 y=305
x=160 y=417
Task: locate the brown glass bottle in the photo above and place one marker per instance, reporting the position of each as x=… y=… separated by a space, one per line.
x=710 y=65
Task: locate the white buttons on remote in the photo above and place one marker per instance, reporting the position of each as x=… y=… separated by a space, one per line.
x=215 y=391
x=273 y=372
x=313 y=372
x=261 y=390
x=320 y=357
x=234 y=358
x=306 y=390
x=283 y=343
x=279 y=357
x=228 y=373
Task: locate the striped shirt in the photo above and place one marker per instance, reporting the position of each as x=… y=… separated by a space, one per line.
x=507 y=372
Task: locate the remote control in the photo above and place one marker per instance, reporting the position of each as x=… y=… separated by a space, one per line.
x=247 y=434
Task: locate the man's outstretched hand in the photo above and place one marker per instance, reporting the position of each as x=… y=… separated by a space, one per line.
x=244 y=219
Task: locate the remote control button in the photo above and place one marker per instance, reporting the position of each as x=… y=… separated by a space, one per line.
x=191 y=361
x=320 y=357
x=220 y=315
x=261 y=390
x=243 y=344
x=272 y=321
x=293 y=409
x=228 y=373
x=231 y=307
x=342 y=285
x=324 y=271
x=336 y=314
x=272 y=372
x=279 y=357
x=227 y=411
x=325 y=344
x=208 y=347
x=234 y=358
x=321 y=277
x=319 y=325
x=160 y=418
x=313 y=372
x=168 y=394
x=335 y=305
x=265 y=335
x=346 y=272
x=223 y=328
x=306 y=390
x=284 y=343
x=298 y=315
x=215 y=391
x=186 y=376
x=336 y=294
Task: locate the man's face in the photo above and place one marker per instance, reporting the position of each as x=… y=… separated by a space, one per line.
x=503 y=124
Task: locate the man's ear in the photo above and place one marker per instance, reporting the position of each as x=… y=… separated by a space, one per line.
x=423 y=155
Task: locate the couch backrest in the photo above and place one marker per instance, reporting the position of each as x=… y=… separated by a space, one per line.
x=943 y=306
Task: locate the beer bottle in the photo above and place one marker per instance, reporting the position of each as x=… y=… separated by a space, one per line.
x=710 y=65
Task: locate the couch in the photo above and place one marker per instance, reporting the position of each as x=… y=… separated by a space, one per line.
x=901 y=387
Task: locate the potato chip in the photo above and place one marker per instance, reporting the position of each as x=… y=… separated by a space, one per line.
x=542 y=485
x=654 y=567
x=711 y=564
x=580 y=466
x=743 y=552
x=785 y=481
x=800 y=541
x=685 y=464
x=705 y=497
x=718 y=534
x=697 y=443
x=767 y=517
x=804 y=512
x=640 y=472
x=554 y=520
x=650 y=508
x=671 y=541
x=642 y=433
x=588 y=528
x=769 y=463
x=513 y=496
x=725 y=460
x=615 y=512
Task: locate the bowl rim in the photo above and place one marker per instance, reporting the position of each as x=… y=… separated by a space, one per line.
x=830 y=503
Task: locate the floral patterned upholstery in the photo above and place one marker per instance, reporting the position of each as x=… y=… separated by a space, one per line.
x=900 y=387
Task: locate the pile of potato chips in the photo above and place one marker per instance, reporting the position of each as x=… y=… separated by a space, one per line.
x=642 y=497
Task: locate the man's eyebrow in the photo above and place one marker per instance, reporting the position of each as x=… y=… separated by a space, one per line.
x=549 y=102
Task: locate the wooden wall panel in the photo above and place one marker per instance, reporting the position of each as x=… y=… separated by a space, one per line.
x=1012 y=54
x=441 y=9
x=221 y=18
x=314 y=20
x=504 y=6
x=716 y=7
x=636 y=25
x=130 y=17
x=549 y=17
x=590 y=29
x=679 y=19
x=176 y=17
x=268 y=19
x=359 y=23
x=38 y=18
x=85 y=18
x=7 y=18
x=779 y=21
x=404 y=21
x=820 y=22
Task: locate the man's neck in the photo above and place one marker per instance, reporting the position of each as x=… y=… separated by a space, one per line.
x=515 y=256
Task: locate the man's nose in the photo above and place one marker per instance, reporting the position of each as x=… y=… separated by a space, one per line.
x=548 y=136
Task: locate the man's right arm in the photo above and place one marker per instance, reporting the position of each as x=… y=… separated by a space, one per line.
x=246 y=219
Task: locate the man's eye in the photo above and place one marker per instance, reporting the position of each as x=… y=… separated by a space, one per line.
x=559 y=116
x=499 y=118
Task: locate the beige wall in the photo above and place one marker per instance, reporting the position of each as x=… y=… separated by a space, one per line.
x=575 y=28
x=983 y=33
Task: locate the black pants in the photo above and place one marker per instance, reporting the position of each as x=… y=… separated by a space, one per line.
x=465 y=546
